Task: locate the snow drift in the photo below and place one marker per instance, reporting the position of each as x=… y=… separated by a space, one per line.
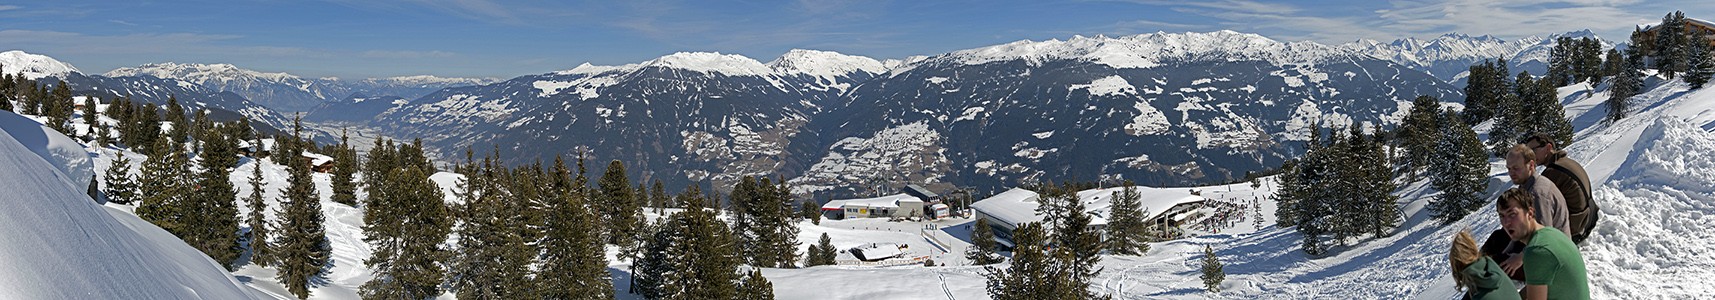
x=56 y=243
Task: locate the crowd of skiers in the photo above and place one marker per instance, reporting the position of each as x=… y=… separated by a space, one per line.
x=1544 y=217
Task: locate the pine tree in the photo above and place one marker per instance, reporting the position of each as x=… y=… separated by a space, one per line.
x=1419 y=132
x=344 y=167
x=573 y=261
x=782 y=238
x=823 y=252
x=1589 y=59
x=1560 y=61
x=658 y=197
x=303 y=249
x=58 y=108
x=405 y=221
x=1613 y=63
x=121 y=188
x=1078 y=251
x=745 y=195
x=1381 y=206
x=180 y=132
x=1212 y=272
x=261 y=252
x=1629 y=83
x=982 y=250
x=1548 y=115
x=755 y=287
x=1479 y=96
x=1671 y=48
x=1126 y=228
x=810 y=211
x=213 y=229
x=164 y=184
x=693 y=257
x=620 y=214
x=494 y=257
x=1700 y=64
x=88 y=113
x=1032 y=274
x=1461 y=172
x=1510 y=115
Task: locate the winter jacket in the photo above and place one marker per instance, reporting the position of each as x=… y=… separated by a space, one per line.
x=1487 y=282
x=1581 y=211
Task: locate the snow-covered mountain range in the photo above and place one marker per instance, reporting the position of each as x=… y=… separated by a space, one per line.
x=700 y=116
x=291 y=93
x=1162 y=109
x=1159 y=108
x=1449 y=56
x=221 y=106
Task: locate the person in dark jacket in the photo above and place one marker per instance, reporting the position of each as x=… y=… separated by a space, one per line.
x=1569 y=177
x=1478 y=275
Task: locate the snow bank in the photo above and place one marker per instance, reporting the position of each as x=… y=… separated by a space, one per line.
x=55 y=243
x=62 y=153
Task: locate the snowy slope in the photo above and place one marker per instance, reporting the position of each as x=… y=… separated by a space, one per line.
x=59 y=244
x=33 y=66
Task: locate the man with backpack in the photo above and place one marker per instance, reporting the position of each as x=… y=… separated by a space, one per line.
x=1569 y=177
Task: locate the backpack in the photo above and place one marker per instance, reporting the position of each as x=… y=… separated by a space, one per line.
x=1591 y=212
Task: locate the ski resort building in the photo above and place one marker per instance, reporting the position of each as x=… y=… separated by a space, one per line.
x=891 y=206
x=1698 y=27
x=258 y=149
x=1012 y=208
x=318 y=162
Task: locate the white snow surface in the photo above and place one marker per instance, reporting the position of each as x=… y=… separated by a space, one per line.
x=33 y=66
x=824 y=64
x=712 y=62
x=66 y=155
x=57 y=243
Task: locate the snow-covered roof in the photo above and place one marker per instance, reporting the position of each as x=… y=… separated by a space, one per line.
x=1018 y=206
x=878 y=251
x=1012 y=206
x=267 y=144
x=889 y=201
x=1153 y=201
x=317 y=159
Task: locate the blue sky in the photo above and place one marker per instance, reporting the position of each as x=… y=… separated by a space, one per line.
x=504 y=39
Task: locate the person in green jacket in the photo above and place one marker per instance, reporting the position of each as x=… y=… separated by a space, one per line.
x=1477 y=274
x=1553 y=268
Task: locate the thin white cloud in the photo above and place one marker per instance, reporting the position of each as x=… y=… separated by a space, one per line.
x=8 y=7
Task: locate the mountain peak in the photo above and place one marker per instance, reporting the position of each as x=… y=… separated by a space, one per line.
x=711 y=62
x=34 y=66
x=824 y=63
x=200 y=73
